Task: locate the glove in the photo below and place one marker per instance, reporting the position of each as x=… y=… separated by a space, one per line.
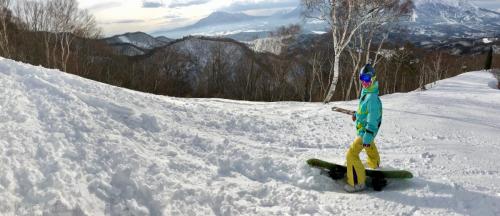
x=366 y=145
x=354 y=117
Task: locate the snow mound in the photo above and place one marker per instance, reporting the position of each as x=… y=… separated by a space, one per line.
x=71 y=146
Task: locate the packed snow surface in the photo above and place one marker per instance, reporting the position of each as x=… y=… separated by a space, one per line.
x=70 y=146
x=487 y=40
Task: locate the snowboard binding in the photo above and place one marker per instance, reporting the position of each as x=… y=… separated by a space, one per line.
x=337 y=173
x=379 y=182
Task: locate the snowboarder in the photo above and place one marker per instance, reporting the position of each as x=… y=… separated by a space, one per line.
x=368 y=118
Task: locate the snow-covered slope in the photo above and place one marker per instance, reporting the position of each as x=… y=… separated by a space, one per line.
x=70 y=146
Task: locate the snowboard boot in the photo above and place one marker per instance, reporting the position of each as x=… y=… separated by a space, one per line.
x=351 y=189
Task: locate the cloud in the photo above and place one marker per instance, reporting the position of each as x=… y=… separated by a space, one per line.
x=124 y=21
x=174 y=20
x=170 y=18
x=104 y=6
x=186 y=3
x=152 y=4
x=241 y=6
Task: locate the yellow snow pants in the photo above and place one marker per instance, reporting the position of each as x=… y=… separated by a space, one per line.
x=355 y=168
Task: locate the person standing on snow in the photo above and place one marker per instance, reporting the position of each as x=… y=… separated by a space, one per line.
x=368 y=119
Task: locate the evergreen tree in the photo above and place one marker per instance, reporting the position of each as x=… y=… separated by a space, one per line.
x=489 y=59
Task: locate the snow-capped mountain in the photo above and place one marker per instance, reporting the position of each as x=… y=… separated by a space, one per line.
x=137 y=43
x=164 y=39
x=457 y=18
x=228 y=24
x=139 y=39
x=221 y=18
x=71 y=146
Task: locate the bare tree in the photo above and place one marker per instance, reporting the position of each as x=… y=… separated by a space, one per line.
x=356 y=54
x=436 y=69
x=315 y=73
x=4 y=20
x=437 y=66
x=280 y=70
x=423 y=76
x=321 y=64
x=70 y=22
x=248 y=79
x=33 y=16
x=360 y=48
x=400 y=58
x=290 y=30
x=345 y=18
x=60 y=22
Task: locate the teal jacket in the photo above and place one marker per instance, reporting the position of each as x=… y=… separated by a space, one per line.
x=369 y=114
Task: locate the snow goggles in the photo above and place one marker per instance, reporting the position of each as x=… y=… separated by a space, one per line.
x=365 y=77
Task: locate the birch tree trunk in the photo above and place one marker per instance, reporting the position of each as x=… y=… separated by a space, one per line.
x=335 y=79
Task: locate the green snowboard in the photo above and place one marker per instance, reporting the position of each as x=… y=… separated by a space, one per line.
x=378 y=177
x=398 y=174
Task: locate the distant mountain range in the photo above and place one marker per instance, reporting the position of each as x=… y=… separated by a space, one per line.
x=241 y=26
x=218 y=18
x=433 y=24
x=440 y=18
x=136 y=43
x=452 y=18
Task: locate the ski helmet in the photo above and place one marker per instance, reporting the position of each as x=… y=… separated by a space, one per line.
x=367 y=73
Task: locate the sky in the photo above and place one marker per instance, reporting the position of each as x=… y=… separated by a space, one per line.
x=121 y=16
